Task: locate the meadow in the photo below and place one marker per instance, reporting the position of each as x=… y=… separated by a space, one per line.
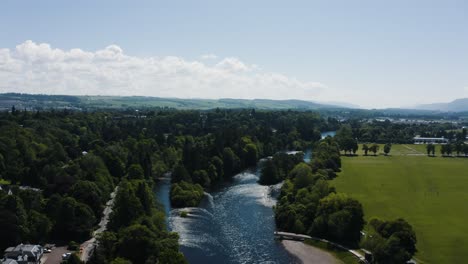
x=431 y=193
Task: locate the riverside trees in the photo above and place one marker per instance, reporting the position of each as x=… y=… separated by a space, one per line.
x=307 y=203
x=391 y=241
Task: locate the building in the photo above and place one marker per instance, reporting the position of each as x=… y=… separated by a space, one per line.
x=9 y=261
x=24 y=254
x=427 y=140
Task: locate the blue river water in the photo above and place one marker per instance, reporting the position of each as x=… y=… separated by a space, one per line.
x=233 y=224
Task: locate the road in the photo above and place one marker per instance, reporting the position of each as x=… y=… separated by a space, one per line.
x=54 y=257
x=309 y=254
x=88 y=246
x=300 y=251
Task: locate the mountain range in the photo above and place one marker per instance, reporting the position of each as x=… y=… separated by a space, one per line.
x=40 y=101
x=458 y=105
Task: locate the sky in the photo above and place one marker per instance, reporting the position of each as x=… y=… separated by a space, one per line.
x=374 y=54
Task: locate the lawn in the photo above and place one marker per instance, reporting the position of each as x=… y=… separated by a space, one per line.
x=431 y=193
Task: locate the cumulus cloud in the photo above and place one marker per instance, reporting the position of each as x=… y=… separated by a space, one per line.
x=39 y=68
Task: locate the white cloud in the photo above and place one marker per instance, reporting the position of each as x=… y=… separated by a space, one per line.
x=39 y=68
x=208 y=57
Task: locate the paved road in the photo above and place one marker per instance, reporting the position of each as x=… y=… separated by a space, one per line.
x=89 y=245
x=54 y=257
x=308 y=254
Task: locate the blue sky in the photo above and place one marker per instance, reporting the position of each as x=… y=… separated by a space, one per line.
x=370 y=53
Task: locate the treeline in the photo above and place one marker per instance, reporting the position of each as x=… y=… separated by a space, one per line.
x=447 y=150
x=309 y=205
x=382 y=132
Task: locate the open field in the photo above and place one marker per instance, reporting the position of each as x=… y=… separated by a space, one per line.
x=430 y=193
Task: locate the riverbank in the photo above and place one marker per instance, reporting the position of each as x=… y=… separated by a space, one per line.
x=309 y=254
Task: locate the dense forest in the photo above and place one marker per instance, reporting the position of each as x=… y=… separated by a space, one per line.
x=58 y=168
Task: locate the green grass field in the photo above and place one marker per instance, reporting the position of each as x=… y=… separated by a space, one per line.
x=430 y=193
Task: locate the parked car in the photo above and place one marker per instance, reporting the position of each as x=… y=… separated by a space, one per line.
x=66 y=256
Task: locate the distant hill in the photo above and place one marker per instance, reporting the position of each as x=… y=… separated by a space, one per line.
x=31 y=101
x=458 y=105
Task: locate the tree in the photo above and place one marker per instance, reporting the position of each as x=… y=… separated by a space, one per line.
x=88 y=193
x=269 y=173
x=201 y=177
x=135 y=172
x=39 y=226
x=355 y=147
x=251 y=154
x=365 y=148
x=180 y=173
x=430 y=148
x=374 y=148
x=340 y=218
x=126 y=208
x=137 y=243
x=391 y=241
x=184 y=194
x=301 y=175
x=231 y=162
x=387 y=148
x=120 y=261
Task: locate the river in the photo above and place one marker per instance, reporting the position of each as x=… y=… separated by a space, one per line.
x=233 y=224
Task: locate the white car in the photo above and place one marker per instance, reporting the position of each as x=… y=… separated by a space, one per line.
x=66 y=256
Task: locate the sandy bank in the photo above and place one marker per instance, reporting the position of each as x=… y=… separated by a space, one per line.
x=308 y=254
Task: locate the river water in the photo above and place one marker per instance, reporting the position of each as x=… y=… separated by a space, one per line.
x=233 y=224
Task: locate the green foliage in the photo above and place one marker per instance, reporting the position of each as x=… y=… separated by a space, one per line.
x=339 y=218
x=88 y=192
x=126 y=208
x=269 y=173
x=137 y=243
x=387 y=148
x=183 y=214
x=180 y=173
x=346 y=139
x=231 y=162
x=135 y=172
x=308 y=205
x=184 y=194
x=391 y=241
x=276 y=169
x=121 y=261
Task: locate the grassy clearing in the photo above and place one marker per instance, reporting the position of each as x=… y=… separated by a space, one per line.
x=339 y=253
x=430 y=193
